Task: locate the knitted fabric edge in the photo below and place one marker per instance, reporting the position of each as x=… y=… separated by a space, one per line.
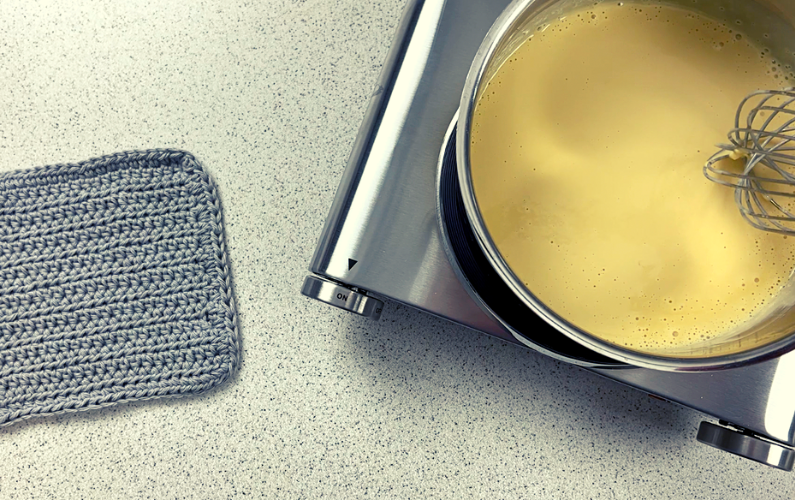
x=151 y=158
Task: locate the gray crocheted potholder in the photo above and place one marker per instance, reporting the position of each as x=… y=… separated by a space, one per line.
x=114 y=284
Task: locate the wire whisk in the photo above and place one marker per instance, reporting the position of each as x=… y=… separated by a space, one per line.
x=759 y=161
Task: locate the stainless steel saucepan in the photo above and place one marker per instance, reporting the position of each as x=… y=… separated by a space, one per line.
x=770 y=334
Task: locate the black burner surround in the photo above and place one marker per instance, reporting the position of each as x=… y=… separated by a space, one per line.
x=486 y=283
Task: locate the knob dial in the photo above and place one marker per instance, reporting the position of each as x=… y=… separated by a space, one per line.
x=341 y=296
x=747 y=445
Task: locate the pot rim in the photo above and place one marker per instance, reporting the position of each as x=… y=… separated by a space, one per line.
x=503 y=27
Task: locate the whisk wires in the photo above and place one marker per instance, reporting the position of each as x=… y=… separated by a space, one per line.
x=759 y=160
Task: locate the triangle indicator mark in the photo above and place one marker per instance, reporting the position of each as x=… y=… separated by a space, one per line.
x=351 y=263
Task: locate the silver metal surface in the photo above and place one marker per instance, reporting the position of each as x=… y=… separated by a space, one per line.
x=763 y=137
x=384 y=213
x=771 y=335
x=398 y=246
x=746 y=445
x=342 y=297
x=756 y=397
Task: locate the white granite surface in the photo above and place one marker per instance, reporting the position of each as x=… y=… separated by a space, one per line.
x=268 y=95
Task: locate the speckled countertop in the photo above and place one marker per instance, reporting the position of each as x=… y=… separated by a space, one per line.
x=269 y=95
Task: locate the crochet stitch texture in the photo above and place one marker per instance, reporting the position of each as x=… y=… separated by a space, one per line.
x=114 y=284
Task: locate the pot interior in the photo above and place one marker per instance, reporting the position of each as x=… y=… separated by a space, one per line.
x=772 y=326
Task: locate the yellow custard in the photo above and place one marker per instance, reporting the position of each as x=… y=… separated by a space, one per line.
x=587 y=153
